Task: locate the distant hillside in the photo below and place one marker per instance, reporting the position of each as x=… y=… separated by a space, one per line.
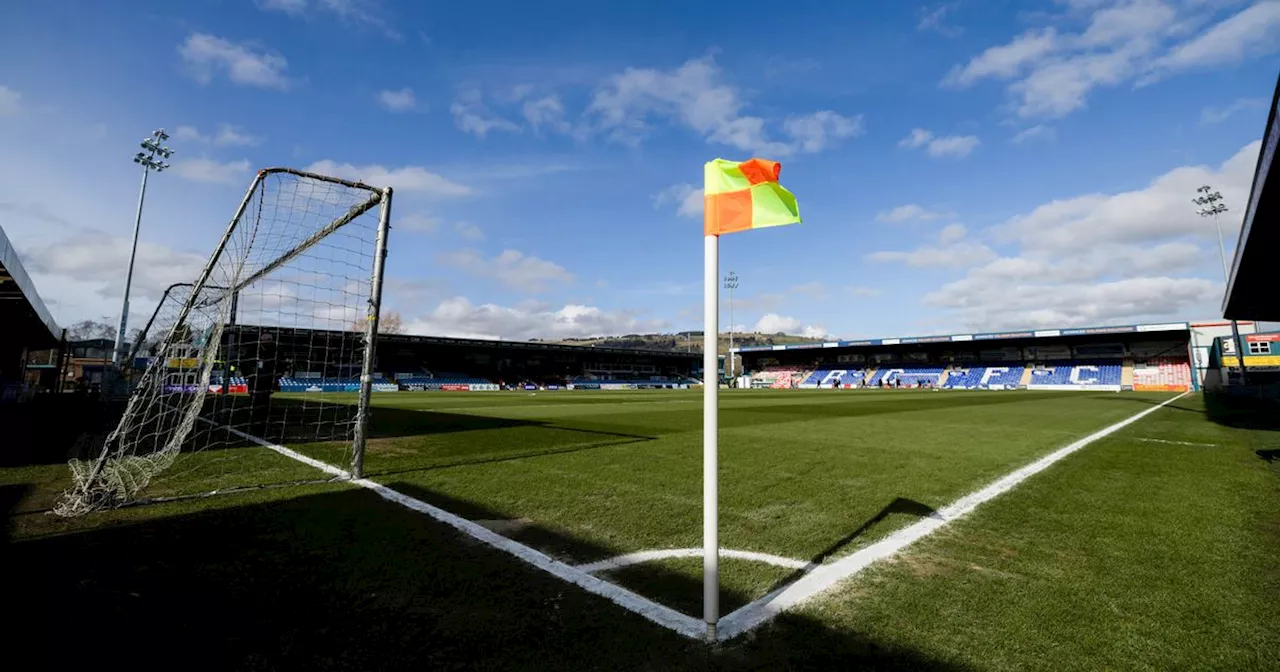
x=685 y=341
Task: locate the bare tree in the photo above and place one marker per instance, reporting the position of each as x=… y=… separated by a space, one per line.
x=389 y=322
x=87 y=329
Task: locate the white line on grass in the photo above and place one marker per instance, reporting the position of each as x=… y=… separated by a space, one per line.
x=825 y=577
x=657 y=613
x=1180 y=443
x=816 y=580
x=662 y=554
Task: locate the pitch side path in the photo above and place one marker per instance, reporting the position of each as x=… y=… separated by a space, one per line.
x=1156 y=546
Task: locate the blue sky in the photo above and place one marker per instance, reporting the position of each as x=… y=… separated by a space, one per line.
x=960 y=166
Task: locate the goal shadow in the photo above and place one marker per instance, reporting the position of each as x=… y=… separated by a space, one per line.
x=339 y=578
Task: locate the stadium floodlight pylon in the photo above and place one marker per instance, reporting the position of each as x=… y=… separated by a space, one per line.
x=301 y=260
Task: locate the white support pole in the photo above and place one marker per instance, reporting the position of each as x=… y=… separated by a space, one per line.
x=710 y=436
x=732 y=369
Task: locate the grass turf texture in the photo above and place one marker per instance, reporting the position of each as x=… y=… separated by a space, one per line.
x=1128 y=553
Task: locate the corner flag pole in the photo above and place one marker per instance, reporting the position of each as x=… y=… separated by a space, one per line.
x=737 y=196
x=710 y=435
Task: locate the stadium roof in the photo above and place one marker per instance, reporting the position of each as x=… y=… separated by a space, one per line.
x=477 y=343
x=1251 y=292
x=988 y=336
x=22 y=313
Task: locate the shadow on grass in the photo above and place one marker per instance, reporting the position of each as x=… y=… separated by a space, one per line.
x=1242 y=412
x=49 y=428
x=899 y=505
x=622 y=440
x=341 y=579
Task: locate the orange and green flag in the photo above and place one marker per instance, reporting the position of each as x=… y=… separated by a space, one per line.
x=742 y=195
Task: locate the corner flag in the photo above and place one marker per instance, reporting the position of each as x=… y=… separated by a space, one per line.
x=737 y=196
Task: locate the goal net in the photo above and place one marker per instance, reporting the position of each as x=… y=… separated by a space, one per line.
x=273 y=341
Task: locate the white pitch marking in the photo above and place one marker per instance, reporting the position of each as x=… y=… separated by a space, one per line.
x=657 y=613
x=1180 y=443
x=662 y=554
x=817 y=580
x=824 y=577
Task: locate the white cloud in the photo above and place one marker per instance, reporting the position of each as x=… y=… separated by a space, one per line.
x=1057 y=88
x=208 y=55
x=1104 y=258
x=1217 y=115
x=293 y=7
x=909 y=212
x=772 y=323
x=459 y=318
x=511 y=268
x=687 y=199
x=1253 y=31
x=1161 y=210
x=934 y=19
x=402 y=100
x=468 y=231
x=813 y=132
x=917 y=138
x=1037 y=305
x=472 y=115
x=695 y=96
x=1052 y=71
x=227 y=136
x=952 y=146
x=1006 y=60
x=1037 y=132
x=10 y=101
x=863 y=292
x=204 y=169
x=406 y=178
x=546 y=114
x=416 y=222
x=87 y=269
x=951 y=233
x=956 y=254
x=358 y=12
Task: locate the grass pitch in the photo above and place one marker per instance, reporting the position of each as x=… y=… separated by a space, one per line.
x=1155 y=547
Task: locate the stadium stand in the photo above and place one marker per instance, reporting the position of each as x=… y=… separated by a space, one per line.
x=985 y=378
x=349 y=384
x=778 y=377
x=1101 y=375
x=438 y=382
x=824 y=378
x=907 y=376
x=1162 y=374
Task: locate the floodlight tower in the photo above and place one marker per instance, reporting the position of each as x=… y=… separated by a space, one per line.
x=1211 y=206
x=152 y=159
x=731 y=283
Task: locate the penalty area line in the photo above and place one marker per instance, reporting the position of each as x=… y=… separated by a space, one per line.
x=825 y=577
x=656 y=613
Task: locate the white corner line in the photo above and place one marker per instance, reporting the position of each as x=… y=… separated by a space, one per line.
x=657 y=613
x=639 y=557
x=825 y=577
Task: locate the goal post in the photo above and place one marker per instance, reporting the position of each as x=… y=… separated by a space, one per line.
x=301 y=260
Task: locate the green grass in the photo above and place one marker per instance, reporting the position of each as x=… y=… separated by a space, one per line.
x=1128 y=554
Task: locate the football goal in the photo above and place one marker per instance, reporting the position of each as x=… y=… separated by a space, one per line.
x=273 y=340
